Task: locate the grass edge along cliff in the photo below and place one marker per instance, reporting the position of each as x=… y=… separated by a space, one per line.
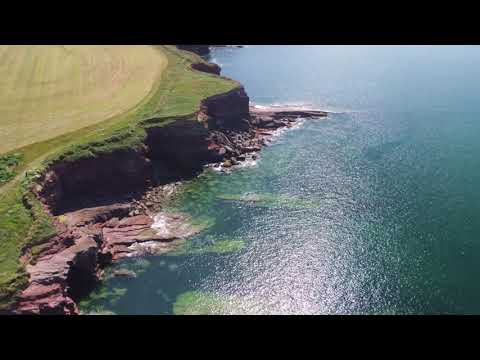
x=23 y=221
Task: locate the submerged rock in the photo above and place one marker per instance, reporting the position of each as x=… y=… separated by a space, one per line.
x=208 y=303
x=124 y=273
x=69 y=267
x=210 y=246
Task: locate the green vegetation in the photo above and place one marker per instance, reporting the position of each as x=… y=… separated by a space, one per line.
x=175 y=92
x=209 y=245
x=206 y=303
x=199 y=303
x=99 y=299
x=49 y=90
x=137 y=266
x=8 y=163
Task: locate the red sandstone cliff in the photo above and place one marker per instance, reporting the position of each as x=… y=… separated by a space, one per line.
x=229 y=110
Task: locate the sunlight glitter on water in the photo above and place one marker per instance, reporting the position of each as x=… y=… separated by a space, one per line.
x=373 y=211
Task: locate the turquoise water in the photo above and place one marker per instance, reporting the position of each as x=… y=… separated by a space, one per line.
x=373 y=210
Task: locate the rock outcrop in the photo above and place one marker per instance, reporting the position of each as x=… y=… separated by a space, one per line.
x=65 y=271
x=210 y=68
x=179 y=150
x=227 y=110
x=112 y=173
x=201 y=50
x=70 y=264
x=239 y=140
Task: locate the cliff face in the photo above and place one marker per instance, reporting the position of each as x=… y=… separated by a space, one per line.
x=69 y=265
x=177 y=150
x=228 y=110
x=207 y=67
x=201 y=50
x=65 y=272
x=180 y=149
x=109 y=174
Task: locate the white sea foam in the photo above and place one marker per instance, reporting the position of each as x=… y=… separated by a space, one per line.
x=295 y=104
x=215 y=61
x=216 y=168
x=278 y=133
x=159 y=223
x=248 y=163
x=301 y=105
x=256 y=106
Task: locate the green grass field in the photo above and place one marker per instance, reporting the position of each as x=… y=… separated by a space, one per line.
x=49 y=90
x=96 y=101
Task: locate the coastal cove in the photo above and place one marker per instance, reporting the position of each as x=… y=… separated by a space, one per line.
x=372 y=210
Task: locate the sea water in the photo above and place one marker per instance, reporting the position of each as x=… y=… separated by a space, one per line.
x=372 y=210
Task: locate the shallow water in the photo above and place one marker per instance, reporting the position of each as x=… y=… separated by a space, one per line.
x=373 y=210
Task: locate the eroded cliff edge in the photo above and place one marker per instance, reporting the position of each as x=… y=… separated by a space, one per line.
x=92 y=199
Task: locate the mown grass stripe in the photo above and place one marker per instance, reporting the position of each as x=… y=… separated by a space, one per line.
x=176 y=93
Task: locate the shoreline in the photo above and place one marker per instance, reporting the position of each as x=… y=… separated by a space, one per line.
x=226 y=131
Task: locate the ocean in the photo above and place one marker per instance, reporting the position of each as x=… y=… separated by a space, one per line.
x=372 y=210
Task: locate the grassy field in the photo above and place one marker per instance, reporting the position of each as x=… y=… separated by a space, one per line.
x=173 y=90
x=49 y=90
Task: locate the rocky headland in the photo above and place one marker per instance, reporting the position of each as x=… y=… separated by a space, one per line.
x=110 y=206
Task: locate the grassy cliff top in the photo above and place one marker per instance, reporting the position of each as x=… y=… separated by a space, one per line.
x=50 y=90
x=169 y=89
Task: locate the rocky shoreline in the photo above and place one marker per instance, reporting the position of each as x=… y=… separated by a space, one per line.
x=90 y=235
x=87 y=241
